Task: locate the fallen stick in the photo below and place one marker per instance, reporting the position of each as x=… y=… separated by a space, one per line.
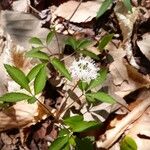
x=113 y=134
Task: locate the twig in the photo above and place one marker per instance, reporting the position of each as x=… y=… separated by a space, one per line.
x=113 y=134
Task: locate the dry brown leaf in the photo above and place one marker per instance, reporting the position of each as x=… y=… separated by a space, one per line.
x=126 y=20
x=125 y=78
x=141 y=137
x=21 y=115
x=144 y=45
x=86 y=11
x=113 y=134
x=22 y=26
x=21 y=5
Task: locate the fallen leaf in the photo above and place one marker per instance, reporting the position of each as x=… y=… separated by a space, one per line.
x=22 y=26
x=126 y=20
x=21 y=115
x=126 y=78
x=144 y=45
x=111 y=135
x=21 y=5
x=87 y=11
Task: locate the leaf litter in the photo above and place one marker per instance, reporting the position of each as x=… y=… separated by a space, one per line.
x=125 y=74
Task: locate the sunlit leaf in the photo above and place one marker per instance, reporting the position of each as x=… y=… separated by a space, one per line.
x=14 y=97
x=59 y=143
x=82 y=44
x=40 y=81
x=104 y=41
x=58 y=65
x=35 y=40
x=77 y=124
x=63 y=132
x=99 y=80
x=33 y=50
x=90 y=99
x=72 y=42
x=128 y=143
x=89 y=53
x=101 y=96
x=18 y=76
x=34 y=71
x=128 y=5
x=31 y=100
x=82 y=85
x=72 y=141
x=39 y=55
x=105 y=5
x=50 y=37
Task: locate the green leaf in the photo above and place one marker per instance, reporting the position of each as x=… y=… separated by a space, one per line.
x=90 y=99
x=40 y=81
x=14 y=97
x=83 y=43
x=73 y=119
x=50 y=37
x=88 y=53
x=35 y=40
x=82 y=85
x=67 y=147
x=63 y=132
x=72 y=141
x=99 y=80
x=34 y=71
x=128 y=143
x=105 y=40
x=105 y=5
x=33 y=50
x=18 y=76
x=101 y=96
x=72 y=42
x=77 y=124
x=39 y=55
x=31 y=100
x=58 y=65
x=59 y=143
x=128 y=5
x=84 y=143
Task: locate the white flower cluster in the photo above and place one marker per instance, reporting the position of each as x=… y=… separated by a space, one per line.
x=84 y=69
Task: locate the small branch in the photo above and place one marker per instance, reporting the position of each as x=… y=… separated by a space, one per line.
x=113 y=134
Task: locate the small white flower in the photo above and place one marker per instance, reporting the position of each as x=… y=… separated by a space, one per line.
x=84 y=69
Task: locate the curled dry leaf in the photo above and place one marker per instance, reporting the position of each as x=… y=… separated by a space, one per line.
x=144 y=45
x=126 y=20
x=126 y=78
x=113 y=134
x=87 y=11
x=21 y=115
x=22 y=26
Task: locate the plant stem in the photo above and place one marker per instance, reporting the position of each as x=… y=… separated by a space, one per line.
x=72 y=103
x=64 y=103
x=57 y=43
x=67 y=56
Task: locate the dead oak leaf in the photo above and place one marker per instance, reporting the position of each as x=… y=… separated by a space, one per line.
x=144 y=45
x=85 y=13
x=126 y=78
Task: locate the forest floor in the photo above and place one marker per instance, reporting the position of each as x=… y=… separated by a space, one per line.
x=125 y=57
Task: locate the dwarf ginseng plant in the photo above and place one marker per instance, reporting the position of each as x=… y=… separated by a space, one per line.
x=83 y=73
